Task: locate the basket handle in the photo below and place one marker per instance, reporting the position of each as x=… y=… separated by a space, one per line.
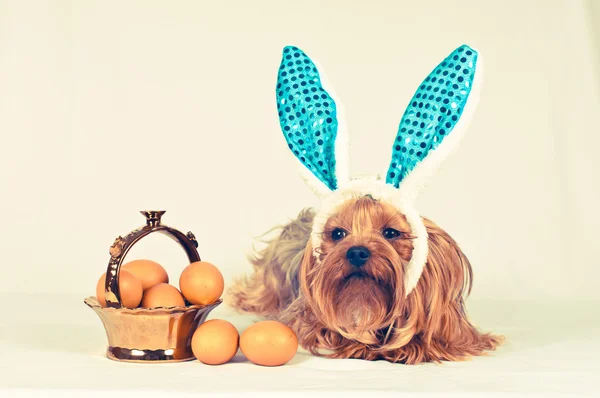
x=123 y=244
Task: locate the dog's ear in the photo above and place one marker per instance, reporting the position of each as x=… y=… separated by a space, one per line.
x=435 y=121
x=309 y=119
x=448 y=334
x=435 y=326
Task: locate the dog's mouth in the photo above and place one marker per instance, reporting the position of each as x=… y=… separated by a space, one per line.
x=359 y=303
x=358 y=275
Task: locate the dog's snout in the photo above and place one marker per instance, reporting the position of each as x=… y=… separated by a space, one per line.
x=358 y=255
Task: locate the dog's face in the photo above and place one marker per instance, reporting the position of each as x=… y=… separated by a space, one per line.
x=357 y=283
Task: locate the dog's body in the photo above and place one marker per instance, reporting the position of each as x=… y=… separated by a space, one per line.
x=342 y=311
x=365 y=276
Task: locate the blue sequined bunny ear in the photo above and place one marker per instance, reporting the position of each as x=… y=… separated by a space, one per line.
x=307 y=115
x=435 y=120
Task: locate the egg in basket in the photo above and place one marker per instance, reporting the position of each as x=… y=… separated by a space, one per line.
x=145 y=318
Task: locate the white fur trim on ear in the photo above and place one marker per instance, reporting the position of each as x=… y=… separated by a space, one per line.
x=316 y=186
x=413 y=183
x=387 y=193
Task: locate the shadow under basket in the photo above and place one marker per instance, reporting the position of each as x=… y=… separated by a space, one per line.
x=148 y=335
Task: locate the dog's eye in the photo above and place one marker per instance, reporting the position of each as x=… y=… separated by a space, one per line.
x=338 y=234
x=390 y=233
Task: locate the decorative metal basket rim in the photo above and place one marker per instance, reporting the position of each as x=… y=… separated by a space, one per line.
x=93 y=303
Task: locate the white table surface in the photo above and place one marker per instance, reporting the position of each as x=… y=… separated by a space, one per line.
x=54 y=346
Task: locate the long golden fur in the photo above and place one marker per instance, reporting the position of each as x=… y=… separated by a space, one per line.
x=341 y=312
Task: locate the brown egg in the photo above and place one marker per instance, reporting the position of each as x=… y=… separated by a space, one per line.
x=149 y=272
x=215 y=342
x=201 y=283
x=130 y=288
x=269 y=343
x=162 y=295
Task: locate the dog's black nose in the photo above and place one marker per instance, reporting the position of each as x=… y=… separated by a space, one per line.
x=358 y=255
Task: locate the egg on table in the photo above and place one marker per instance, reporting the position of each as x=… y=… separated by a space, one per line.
x=201 y=283
x=162 y=295
x=149 y=272
x=215 y=342
x=130 y=289
x=269 y=343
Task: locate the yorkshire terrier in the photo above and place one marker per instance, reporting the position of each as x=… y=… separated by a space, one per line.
x=365 y=276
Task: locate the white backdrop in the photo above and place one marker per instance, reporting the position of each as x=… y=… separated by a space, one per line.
x=107 y=108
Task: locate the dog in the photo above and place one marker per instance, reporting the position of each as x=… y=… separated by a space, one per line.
x=365 y=276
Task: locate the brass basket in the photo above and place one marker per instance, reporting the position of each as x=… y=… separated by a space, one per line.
x=148 y=334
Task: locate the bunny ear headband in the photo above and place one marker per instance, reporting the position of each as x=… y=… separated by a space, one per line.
x=431 y=127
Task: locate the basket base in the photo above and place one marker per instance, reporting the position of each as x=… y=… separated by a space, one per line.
x=147 y=356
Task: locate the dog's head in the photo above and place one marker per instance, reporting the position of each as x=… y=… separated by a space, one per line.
x=356 y=282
